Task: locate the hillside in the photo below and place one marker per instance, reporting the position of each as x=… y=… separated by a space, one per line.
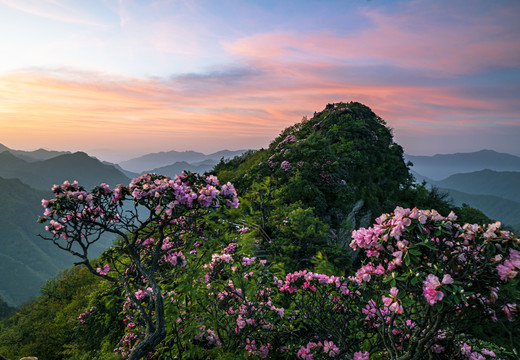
x=44 y=173
x=438 y=167
x=504 y=184
x=26 y=261
x=497 y=208
x=326 y=175
x=299 y=201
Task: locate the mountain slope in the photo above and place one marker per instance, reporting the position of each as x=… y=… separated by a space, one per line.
x=26 y=261
x=320 y=179
x=505 y=184
x=497 y=208
x=438 y=167
x=43 y=174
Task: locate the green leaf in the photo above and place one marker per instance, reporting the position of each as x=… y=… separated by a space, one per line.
x=414 y=251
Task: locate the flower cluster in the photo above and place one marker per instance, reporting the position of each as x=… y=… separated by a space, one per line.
x=289 y=139
x=286 y=165
x=84 y=316
x=308 y=351
x=104 y=270
x=308 y=280
x=166 y=196
x=418 y=258
x=509 y=269
x=431 y=286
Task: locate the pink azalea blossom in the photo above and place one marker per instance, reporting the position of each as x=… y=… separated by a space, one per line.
x=430 y=286
x=330 y=348
x=361 y=356
x=104 y=270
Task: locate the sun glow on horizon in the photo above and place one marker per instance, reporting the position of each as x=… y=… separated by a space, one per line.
x=142 y=78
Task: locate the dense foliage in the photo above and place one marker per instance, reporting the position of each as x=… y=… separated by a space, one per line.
x=5 y=309
x=331 y=173
x=284 y=275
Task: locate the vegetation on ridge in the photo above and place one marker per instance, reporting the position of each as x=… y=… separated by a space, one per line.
x=240 y=287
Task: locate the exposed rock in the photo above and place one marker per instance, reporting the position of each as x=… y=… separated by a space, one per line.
x=351 y=217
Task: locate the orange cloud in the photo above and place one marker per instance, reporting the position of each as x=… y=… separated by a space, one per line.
x=234 y=108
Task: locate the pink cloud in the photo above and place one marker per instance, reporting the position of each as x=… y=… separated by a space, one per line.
x=62 y=11
x=421 y=35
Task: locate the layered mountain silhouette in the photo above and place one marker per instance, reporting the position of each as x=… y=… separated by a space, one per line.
x=438 y=167
x=504 y=184
x=495 y=207
x=40 y=154
x=486 y=180
x=178 y=167
x=44 y=173
x=152 y=162
x=26 y=260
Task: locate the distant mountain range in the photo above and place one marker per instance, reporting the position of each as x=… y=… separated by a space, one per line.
x=40 y=154
x=153 y=161
x=179 y=166
x=438 y=167
x=486 y=180
x=495 y=207
x=42 y=174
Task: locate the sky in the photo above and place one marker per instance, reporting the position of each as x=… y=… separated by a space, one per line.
x=122 y=78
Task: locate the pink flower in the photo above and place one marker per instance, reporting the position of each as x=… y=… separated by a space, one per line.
x=476 y=356
x=510 y=311
x=447 y=279
x=240 y=322
x=509 y=270
x=330 y=349
x=465 y=349
x=488 y=352
x=141 y=294
x=430 y=286
x=104 y=270
x=361 y=356
x=392 y=302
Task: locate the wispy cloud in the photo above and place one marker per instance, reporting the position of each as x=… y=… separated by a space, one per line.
x=417 y=36
x=428 y=68
x=64 y=11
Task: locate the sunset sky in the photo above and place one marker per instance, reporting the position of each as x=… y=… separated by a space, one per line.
x=124 y=78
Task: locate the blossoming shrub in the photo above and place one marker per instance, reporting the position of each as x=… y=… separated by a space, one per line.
x=425 y=283
x=432 y=280
x=240 y=309
x=156 y=219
